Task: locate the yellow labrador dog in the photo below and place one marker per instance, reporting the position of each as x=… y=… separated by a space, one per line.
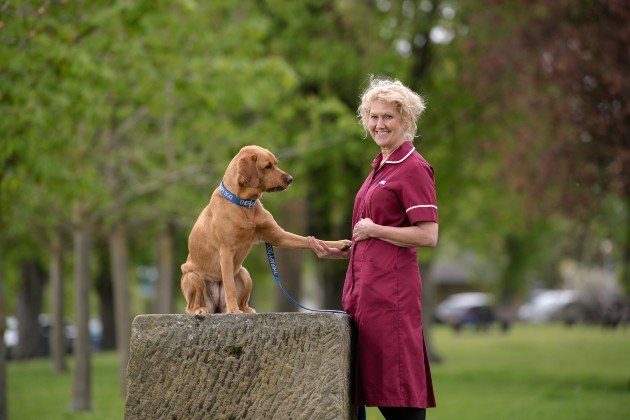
x=214 y=279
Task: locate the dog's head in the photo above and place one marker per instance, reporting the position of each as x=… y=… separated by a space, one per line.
x=258 y=168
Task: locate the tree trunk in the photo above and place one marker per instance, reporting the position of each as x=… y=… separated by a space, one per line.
x=28 y=308
x=4 y=411
x=119 y=252
x=81 y=383
x=57 y=336
x=513 y=277
x=290 y=261
x=105 y=292
x=624 y=272
x=164 y=295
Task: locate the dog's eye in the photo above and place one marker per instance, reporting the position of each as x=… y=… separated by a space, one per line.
x=269 y=166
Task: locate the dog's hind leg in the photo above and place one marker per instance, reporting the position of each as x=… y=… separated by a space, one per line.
x=243 y=283
x=193 y=288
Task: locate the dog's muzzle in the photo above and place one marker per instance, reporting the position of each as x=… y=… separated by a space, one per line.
x=287 y=180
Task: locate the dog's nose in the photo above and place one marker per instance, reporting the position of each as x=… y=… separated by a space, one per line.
x=288 y=179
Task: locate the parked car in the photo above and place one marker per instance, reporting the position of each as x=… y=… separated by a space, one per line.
x=472 y=308
x=12 y=338
x=564 y=305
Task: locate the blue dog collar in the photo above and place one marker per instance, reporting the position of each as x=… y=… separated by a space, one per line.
x=234 y=199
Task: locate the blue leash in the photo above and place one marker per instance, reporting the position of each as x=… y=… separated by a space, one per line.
x=274 y=270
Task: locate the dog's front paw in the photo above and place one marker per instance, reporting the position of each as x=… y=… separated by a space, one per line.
x=201 y=311
x=346 y=244
x=249 y=310
x=233 y=311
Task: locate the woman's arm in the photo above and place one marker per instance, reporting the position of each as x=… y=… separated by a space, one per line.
x=422 y=234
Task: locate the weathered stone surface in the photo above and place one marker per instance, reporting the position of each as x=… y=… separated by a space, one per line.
x=251 y=366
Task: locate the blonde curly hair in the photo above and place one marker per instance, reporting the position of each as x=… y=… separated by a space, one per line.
x=407 y=102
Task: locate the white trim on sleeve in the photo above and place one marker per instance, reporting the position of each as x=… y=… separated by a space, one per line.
x=420 y=206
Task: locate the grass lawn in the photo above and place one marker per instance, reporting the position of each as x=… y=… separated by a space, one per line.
x=533 y=372
x=35 y=392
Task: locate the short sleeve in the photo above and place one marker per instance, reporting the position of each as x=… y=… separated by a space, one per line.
x=417 y=194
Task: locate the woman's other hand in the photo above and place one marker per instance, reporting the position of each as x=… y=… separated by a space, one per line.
x=363 y=229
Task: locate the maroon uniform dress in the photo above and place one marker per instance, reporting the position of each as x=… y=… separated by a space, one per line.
x=382 y=290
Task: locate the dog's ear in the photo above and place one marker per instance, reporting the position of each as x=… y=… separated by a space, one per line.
x=247 y=171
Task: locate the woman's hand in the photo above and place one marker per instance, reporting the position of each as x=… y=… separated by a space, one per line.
x=363 y=229
x=323 y=251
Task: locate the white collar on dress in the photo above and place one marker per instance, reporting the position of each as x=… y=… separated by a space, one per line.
x=406 y=156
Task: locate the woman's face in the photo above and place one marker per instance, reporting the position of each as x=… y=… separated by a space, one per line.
x=386 y=125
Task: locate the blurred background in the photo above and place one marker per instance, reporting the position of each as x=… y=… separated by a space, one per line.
x=118 y=119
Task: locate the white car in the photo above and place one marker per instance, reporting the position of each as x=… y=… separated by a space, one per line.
x=550 y=305
x=11 y=334
x=461 y=308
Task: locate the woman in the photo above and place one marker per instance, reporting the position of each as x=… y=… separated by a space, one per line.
x=394 y=213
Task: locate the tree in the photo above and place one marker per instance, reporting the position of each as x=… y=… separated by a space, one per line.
x=104 y=289
x=4 y=410
x=164 y=288
x=57 y=333
x=82 y=374
x=572 y=82
x=29 y=304
x=3 y=326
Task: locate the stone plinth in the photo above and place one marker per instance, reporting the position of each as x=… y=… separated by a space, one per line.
x=251 y=366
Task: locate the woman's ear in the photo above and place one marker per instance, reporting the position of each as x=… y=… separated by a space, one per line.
x=247 y=171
